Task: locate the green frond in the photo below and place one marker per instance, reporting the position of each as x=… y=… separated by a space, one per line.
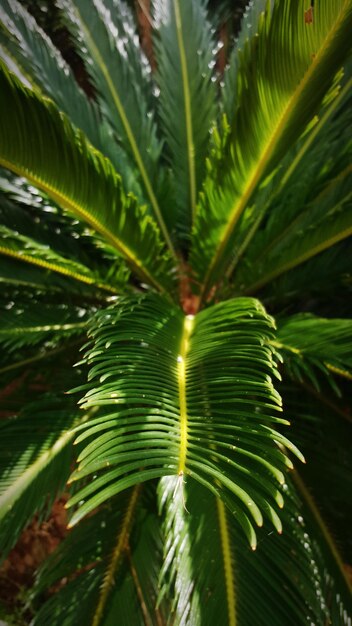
x=279 y=204
x=31 y=322
x=295 y=64
x=83 y=182
x=321 y=281
x=309 y=343
x=34 y=51
x=322 y=224
x=249 y=27
x=215 y=577
x=37 y=232
x=119 y=71
x=185 y=56
x=217 y=411
x=35 y=463
x=328 y=474
x=85 y=561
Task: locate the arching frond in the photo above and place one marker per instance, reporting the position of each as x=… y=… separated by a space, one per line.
x=36 y=54
x=249 y=27
x=185 y=56
x=216 y=414
x=120 y=75
x=118 y=565
x=35 y=463
x=307 y=342
x=323 y=223
x=295 y=64
x=83 y=182
x=213 y=577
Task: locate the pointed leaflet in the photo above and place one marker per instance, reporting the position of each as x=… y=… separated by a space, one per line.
x=322 y=224
x=294 y=64
x=39 y=143
x=214 y=576
x=36 y=232
x=35 y=463
x=117 y=65
x=306 y=340
x=184 y=396
x=249 y=27
x=279 y=202
x=115 y=561
x=185 y=57
x=36 y=57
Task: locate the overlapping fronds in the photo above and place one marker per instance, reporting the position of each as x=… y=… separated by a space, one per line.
x=249 y=27
x=121 y=76
x=184 y=395
x=308 y=343
x=82 y=182
x=185 y=56
x=279 y=204
x=36 y=454
x=294 y=64
x=36 y=55
x=314 y=416
x=324 y=222
x=31 y=322
x=109 y=567
x=213 y=577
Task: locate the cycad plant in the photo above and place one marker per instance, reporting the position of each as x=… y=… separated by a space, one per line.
x=174 y=268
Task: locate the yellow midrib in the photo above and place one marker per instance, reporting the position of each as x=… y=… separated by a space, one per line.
x=129 y=134
x=181 y=378
x=39 y=329
x=188 y=110
x=324 y=245
x=26 y=258
x=228 y=563
x=11 y=495
x=71 y=205
x=271 y=143
x=118 y=551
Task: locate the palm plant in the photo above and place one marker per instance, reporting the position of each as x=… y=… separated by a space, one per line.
x=174 y=255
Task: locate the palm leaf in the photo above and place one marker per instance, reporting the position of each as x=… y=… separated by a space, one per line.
x=295 y=64
x=323 y=223
x=214 y=577
x=308 y=342
x=33 y=322
x=328 y=475
x=281 y=201
x=83 y=183
x=186 y=431
x=249 y=27
x=35 y=53
x=35 y=464
x=107 y=571
x=321 y=280
x=185 y=56
x=119 y=72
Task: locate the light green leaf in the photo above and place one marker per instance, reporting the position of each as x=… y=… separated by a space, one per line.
x=83 y=182
x=295 y=64
x=185 y=56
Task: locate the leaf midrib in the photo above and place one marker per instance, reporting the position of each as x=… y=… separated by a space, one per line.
x=274 y=139
x=71 y=205
x=188 y=109
x=129 y=133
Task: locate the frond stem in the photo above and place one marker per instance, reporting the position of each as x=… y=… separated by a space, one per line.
x=188 y=111
x=119 y=550
x=181 y=376
x=227 y=562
